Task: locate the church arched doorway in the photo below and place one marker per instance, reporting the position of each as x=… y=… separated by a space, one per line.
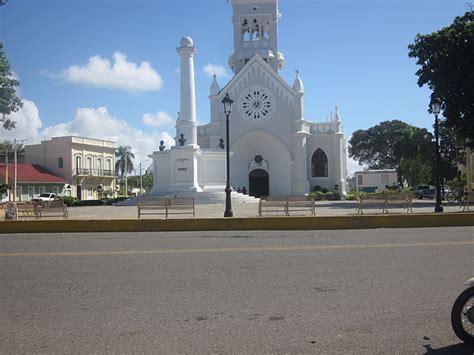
x=259 y=183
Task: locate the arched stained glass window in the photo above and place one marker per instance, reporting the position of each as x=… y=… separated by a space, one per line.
x=319 y=164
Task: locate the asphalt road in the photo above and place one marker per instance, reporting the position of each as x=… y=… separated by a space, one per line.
x=364 y=291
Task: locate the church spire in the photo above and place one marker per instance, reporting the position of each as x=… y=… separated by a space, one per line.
x=337 y=117
x=255 y=33
x=298 y=83
x=215 y=89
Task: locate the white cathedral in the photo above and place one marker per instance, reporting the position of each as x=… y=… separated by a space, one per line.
x=274 y=148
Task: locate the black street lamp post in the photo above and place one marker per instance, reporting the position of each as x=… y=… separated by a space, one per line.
x=435 y=106
x=227 y=102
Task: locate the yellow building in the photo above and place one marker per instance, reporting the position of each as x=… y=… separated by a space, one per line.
x=88 y=165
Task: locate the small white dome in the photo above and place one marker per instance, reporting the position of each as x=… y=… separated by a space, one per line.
x=298 y=83
x=186 y=42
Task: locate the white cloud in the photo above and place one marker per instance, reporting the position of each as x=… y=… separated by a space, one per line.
x=158 y=119
x=98 y=123
x=88 y=122
x=353 y=166
x=219 y=70
x=27 y=123
x=14 y=75
x=121 y=74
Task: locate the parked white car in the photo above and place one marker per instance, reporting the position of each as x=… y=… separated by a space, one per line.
x=49 y=196
x=5 y=196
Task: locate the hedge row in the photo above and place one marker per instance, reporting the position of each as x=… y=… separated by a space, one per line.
x=74 y=202
x=319 y=196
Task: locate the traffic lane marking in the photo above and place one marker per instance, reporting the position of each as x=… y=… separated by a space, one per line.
x=235 y=250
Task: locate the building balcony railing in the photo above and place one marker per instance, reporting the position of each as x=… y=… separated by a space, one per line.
x=93 y=172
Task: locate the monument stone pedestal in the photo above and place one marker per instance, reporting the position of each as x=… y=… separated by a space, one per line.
x=185 y=170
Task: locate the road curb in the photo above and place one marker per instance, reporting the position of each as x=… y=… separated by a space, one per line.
x=224 y=224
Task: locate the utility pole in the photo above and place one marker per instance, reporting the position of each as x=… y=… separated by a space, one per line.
x=6 y=165
x=16 y=165
x=6 y=174
x=15 y=171
x=141 y=181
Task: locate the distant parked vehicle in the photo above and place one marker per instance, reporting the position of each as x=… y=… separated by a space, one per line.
x=5 y=196
x=427 y=193
x=46 y=197
x=424 y=191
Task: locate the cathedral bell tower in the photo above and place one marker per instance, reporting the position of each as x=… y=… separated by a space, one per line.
x=255 y=32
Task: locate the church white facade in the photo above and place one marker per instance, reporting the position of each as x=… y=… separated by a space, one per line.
x=275 y=149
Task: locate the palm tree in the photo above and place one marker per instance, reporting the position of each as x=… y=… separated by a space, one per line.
x=123 y=153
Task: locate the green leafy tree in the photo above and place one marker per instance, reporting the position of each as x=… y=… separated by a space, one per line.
x=147 y=182
x=7 y=147
x=388 y=144
x=122 y=153
x=450 y=153
x=9 y=102
x=416 y=170
x=446 y=60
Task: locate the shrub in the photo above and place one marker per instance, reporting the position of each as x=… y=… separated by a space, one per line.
x=69 y=200
x=324 y=190
x=111 y=201
x=81 y=203
x=329 y=196
x=351 y=196
x=317 y=196
x=408 y=192
x=317 y=188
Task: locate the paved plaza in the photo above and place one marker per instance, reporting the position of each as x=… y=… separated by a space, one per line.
x=250 y=209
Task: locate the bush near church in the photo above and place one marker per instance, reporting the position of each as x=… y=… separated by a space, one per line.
x=325 y=196
x=74 y=202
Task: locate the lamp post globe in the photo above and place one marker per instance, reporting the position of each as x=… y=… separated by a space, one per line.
x=227 y=103
x=435 y=106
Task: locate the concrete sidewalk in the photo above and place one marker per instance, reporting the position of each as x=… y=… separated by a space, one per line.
x=246 y=210
x=333 y=215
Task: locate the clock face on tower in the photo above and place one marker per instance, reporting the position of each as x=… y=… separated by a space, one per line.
x=256 y=104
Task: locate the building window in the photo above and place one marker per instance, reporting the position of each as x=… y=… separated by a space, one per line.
x=78 y=164
x=56 y=190
x=99 y=167
x=109 y=167
x=42 y=189
x=89 y=165
x=385 y=179
x=359 y=180
x=31 y=192
x=319 y=164
x=19 y=193
x=60 y=163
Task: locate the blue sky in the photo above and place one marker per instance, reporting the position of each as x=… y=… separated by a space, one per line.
x=81 y=62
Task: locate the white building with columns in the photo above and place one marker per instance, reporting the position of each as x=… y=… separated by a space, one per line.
x=275 y=148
